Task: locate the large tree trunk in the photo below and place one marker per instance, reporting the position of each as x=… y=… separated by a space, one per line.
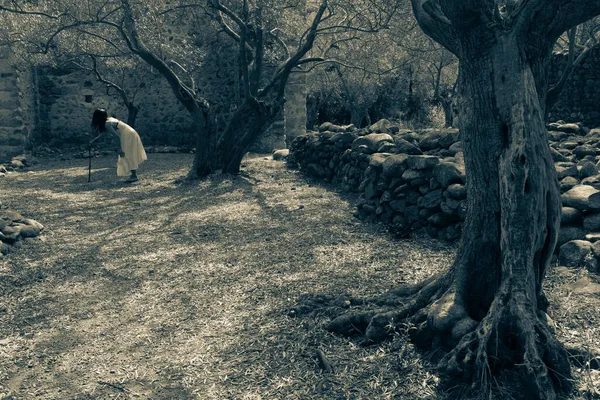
x=248 y=122
x=489 y=308
x=205 y=159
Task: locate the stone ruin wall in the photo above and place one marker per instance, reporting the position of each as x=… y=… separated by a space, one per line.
x=580 y=99
x=55 y=106
x=68 y=99
x=415 y=180
x=17 y=107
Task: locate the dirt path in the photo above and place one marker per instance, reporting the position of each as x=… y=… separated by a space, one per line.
x=180 y=292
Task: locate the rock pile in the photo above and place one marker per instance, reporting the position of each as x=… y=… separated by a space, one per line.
x=410 y=180
x=17 y=163
x=14 y=227
x=415 y=180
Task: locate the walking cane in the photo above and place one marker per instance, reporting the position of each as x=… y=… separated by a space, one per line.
x=90 y=164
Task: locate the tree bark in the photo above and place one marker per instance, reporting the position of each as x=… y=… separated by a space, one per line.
x=132 y=113
x=204 y=164
x=247 y=123
x=447 y=106
x=357 y=116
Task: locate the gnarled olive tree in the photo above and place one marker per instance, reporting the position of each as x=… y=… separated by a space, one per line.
x=489 y=307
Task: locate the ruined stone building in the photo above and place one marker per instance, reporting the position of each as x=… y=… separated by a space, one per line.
x=580 y=99
x=53 y=107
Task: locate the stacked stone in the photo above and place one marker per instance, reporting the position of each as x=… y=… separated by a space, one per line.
x=407 y=179
x=414 y=192
x=416 y=180
x=17 y=163
x=319 y=154
x=12 y=128
x=579 y=99
x=574 y=150
x=13 y=227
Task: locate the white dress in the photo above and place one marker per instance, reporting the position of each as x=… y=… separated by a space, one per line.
x=131 y=145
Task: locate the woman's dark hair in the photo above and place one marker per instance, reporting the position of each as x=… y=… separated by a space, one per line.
x=99 y=119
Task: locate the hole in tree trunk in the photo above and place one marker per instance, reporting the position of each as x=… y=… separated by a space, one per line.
x=527 y=188
x=505 y=135
x=523 y=159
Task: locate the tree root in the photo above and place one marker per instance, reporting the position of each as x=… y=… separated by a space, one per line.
x=511 y=337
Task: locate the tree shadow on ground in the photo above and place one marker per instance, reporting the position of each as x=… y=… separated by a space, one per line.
x=157 y=287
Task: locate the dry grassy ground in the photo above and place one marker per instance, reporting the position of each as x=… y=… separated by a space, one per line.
x=165 y=291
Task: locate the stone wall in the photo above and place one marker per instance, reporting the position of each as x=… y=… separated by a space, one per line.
x=416 y=180
x=580 y=99
x=61 y=103
x=16 y=107
x=408 y=180
x=69 y=97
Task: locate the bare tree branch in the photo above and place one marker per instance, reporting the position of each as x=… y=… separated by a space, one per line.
x=25 y=12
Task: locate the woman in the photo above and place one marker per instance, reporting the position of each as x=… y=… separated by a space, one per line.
x=131 y=150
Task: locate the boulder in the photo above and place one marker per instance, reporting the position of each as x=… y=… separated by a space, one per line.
x=582 y=151
x=412 y=174
x=557 y=136
x=574 y=253
x=325 y=126
x=398 y=205
x=447 y=173
x=582 y=197
x=455 y=148
x=593 y=181
x=280 y=155
x=569 y=233
x=376 y=160
x=558 y=156
x=457 y=191
x=587 y=169
x=571 y=216
x=316 y=170
x=373 y=141
x=448 y=139
x=568 y=128
x=33 y=223
x=343 y=137
x=552 y=125
x=422 y=162
x=11 y=232
x=591 y=222
x=394 y=165
x=403 y=146
x=430 y=142
x=569 y=145
x=383 y=126
x=431 y=199
x=564 y=169
x=596 y=248
x=568 y=183
x=9 y=215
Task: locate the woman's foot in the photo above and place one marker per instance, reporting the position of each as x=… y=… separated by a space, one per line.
x=133 y=177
